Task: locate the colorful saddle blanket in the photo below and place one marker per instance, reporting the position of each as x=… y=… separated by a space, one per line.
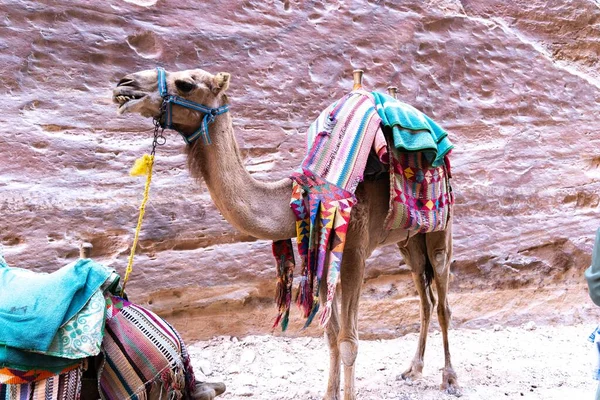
x=339 y=144
x=420 y=194
x=66 y=386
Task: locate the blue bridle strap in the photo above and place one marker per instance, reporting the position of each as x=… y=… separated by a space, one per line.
x=169 y=99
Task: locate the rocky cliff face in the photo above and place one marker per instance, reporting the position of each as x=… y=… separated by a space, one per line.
x=515 y=84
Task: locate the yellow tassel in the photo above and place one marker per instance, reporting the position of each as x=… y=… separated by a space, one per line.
x=142 y=166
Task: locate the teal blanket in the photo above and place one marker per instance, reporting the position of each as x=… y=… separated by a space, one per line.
x=34 y=306
x=25 y=361
x=412 y=130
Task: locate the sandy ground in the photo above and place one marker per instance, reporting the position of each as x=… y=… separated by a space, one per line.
x=543 y=362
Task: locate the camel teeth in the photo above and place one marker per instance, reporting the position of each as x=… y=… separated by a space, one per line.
x=125 y=98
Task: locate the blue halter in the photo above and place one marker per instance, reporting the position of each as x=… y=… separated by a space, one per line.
x=169 y=100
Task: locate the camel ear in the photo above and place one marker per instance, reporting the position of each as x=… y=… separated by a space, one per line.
x=221 y=82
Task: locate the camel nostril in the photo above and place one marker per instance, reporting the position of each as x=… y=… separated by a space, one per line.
x=125 y=82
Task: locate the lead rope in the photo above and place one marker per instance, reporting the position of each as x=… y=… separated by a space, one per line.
x=143 y=166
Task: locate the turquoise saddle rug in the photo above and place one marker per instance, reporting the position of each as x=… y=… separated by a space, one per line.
x=34 y=306
x=50 y=322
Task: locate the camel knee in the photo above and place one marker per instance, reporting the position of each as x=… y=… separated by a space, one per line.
x=439 y=262
x=348 y=351
x=439 y=257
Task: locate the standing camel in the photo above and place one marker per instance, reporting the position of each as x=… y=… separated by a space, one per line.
x=243 y=200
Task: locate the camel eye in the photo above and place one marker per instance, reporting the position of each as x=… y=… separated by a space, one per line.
x=184 y=86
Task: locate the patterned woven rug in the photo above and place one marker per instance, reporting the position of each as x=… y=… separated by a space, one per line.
x=12 y=376
x=420 y=195
x=323 y=214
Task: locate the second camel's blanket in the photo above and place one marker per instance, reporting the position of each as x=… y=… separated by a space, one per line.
x=66 y=386
x=37 y=305
x=77 y=338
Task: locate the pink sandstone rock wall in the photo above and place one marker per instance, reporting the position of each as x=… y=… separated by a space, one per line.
x=515 y=83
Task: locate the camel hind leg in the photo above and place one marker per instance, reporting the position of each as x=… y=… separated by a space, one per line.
x=415 y=256
x=439 y=252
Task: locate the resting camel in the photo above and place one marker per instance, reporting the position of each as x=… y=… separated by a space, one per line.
x=242 y=201
x=94 y=373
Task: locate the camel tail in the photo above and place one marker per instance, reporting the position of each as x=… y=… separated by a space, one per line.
x=428 y=280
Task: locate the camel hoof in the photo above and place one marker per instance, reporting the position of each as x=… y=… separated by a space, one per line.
x=208 y=391
x=411 y=376
x=414 y=372
x=452 y=389
x=450 y=383
x=208 y=394
x=330 y=396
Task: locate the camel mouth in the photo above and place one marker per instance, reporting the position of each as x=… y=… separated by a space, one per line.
x=126 y=98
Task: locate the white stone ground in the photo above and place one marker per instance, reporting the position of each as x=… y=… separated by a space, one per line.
x=543 y=362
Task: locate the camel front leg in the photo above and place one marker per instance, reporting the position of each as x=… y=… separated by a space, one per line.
x=332 y=331
x=352 y=271
x=439 y=250
x=414 y=254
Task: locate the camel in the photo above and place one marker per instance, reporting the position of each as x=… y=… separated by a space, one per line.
x=261 y=209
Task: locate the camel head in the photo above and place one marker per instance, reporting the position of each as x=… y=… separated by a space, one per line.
x=140 y=93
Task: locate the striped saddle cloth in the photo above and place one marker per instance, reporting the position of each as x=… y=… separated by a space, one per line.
x=141 y=349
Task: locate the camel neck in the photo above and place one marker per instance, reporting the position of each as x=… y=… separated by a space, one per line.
x=257 y=208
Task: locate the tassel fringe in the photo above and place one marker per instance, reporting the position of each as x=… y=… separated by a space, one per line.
x=284 y=254
x=313 y=312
